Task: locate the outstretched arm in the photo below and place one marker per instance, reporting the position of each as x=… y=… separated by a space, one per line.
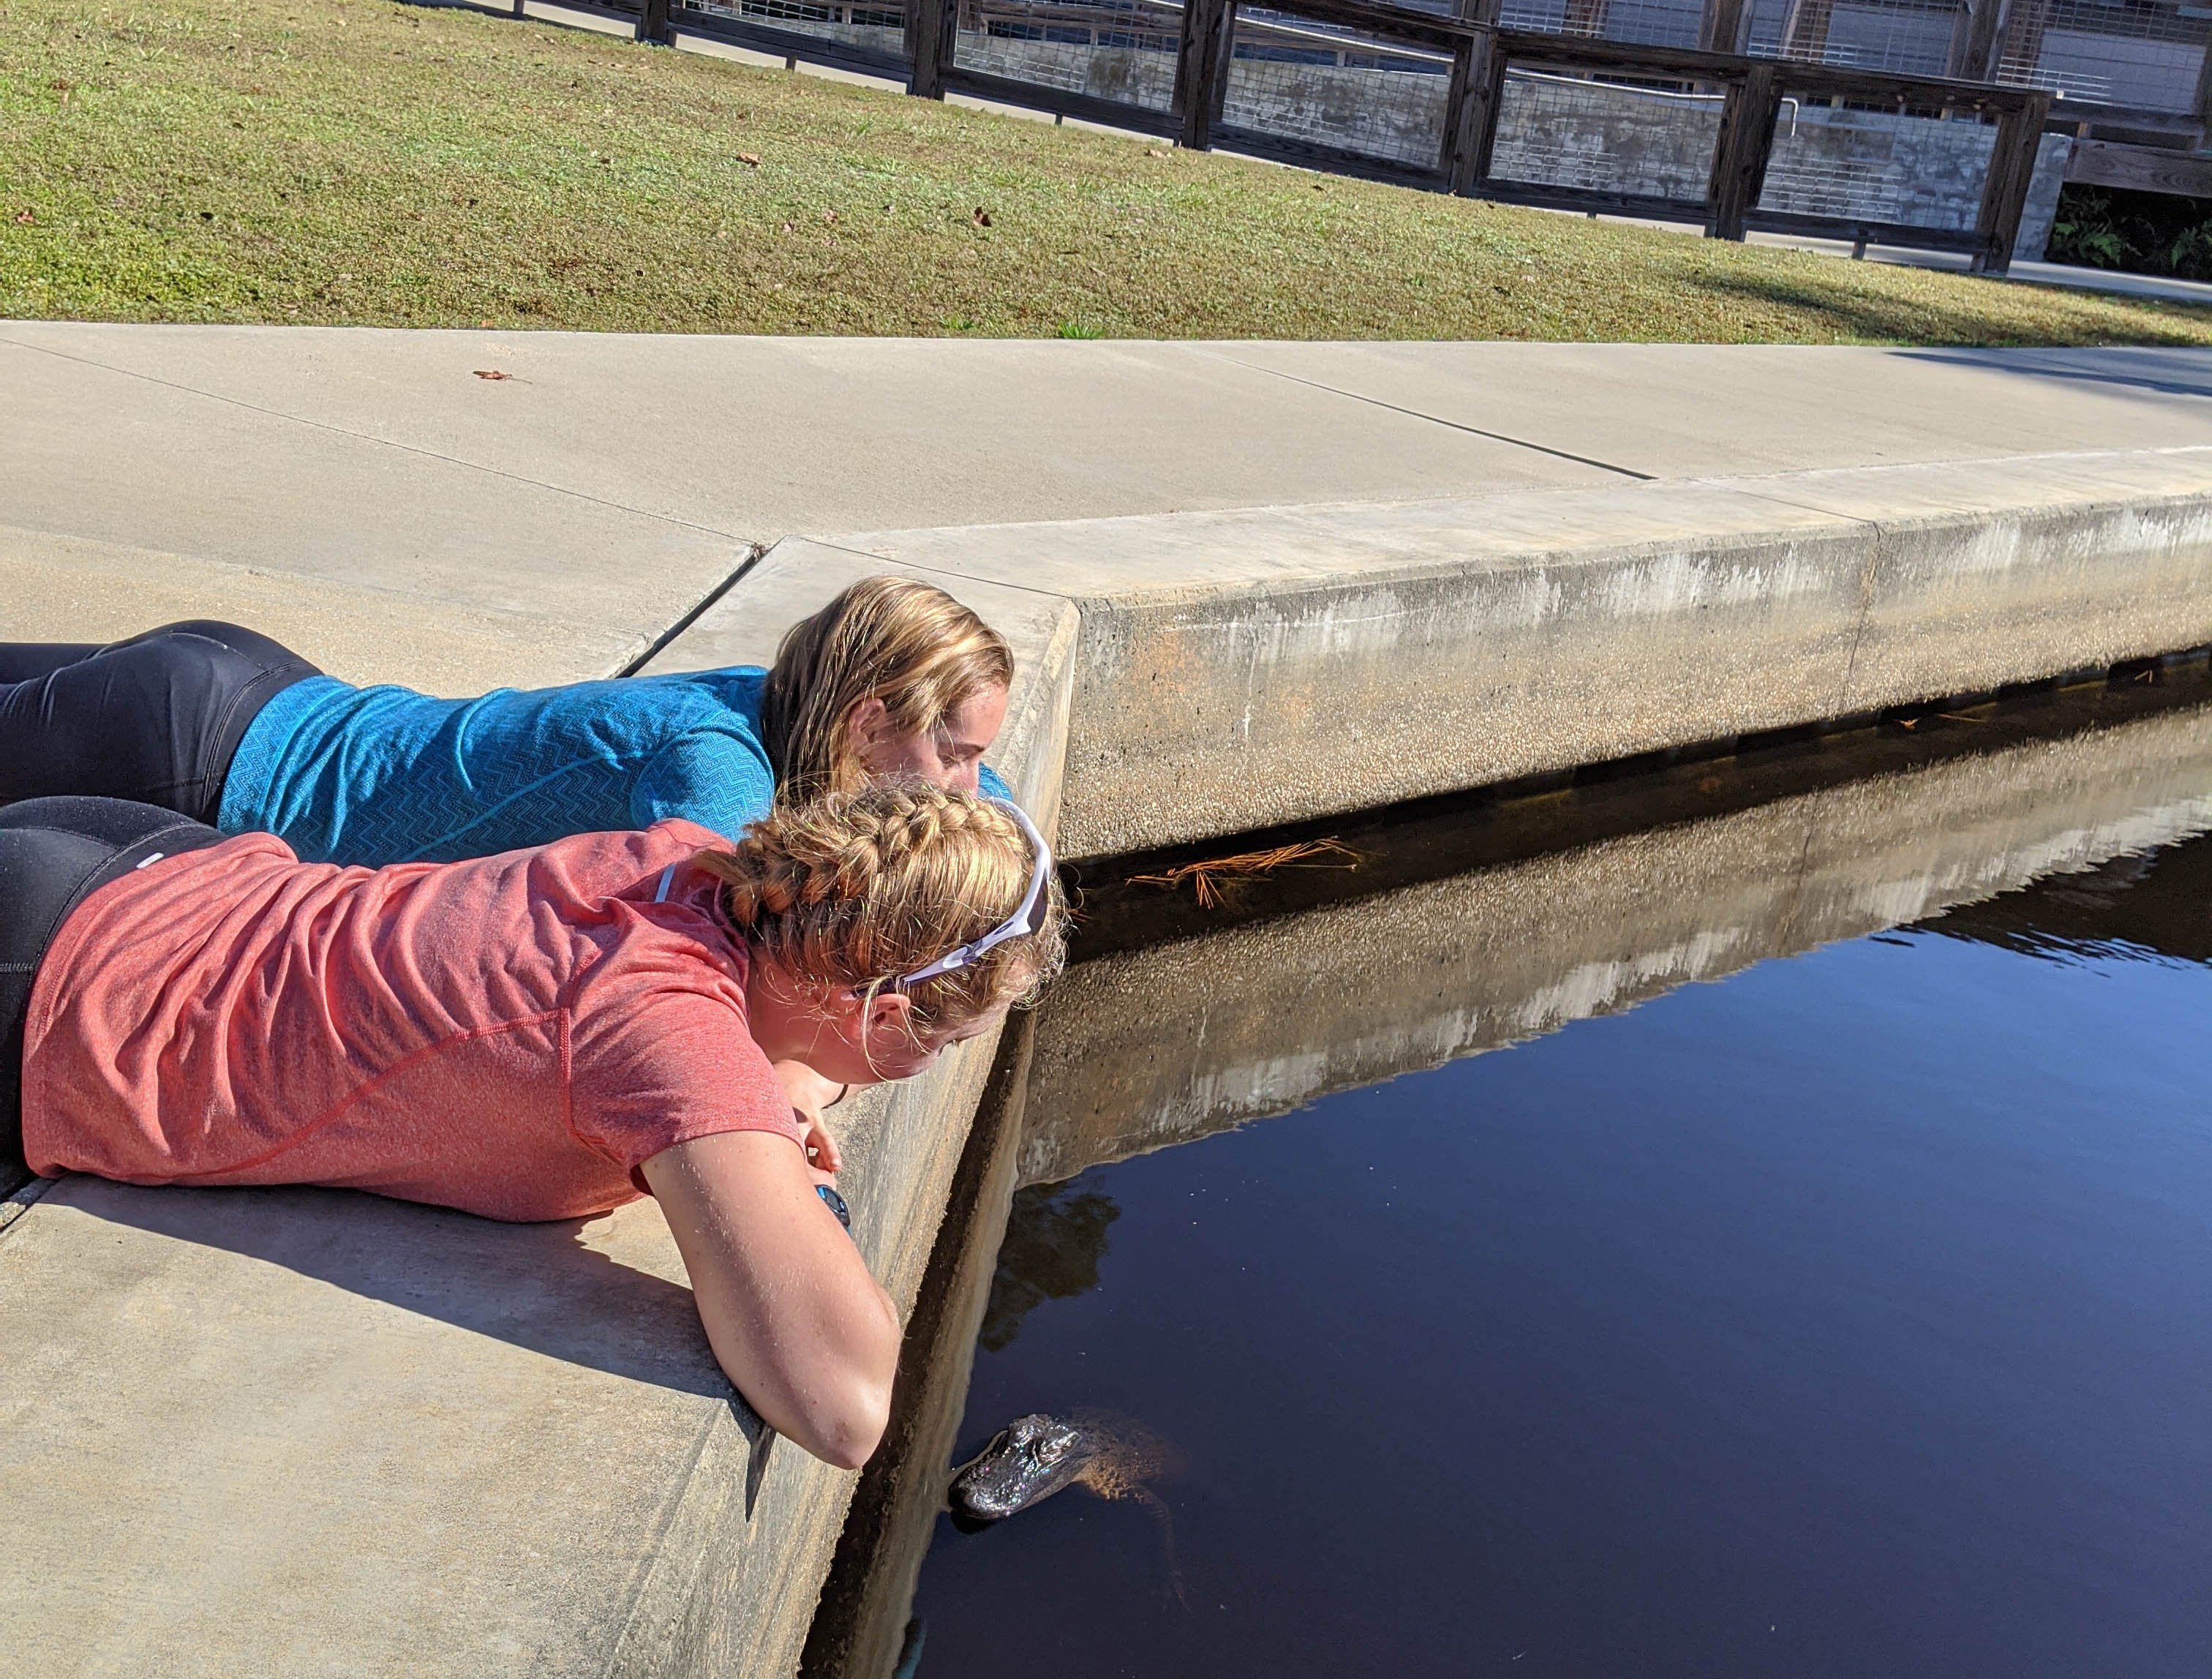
x=799 y=1324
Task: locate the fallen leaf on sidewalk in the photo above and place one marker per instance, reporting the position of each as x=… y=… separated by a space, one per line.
x=492 y=373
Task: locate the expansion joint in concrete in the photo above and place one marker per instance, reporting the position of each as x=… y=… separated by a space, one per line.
x=1451 y=425
x=707 y=602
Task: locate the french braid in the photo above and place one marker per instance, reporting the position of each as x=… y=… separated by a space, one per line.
x=855 y=889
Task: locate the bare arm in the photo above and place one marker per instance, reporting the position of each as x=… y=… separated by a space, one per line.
x=797 y=1322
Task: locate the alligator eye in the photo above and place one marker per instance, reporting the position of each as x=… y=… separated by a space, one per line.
x=1051 y=1451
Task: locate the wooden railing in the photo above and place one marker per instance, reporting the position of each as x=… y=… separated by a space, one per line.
x=1753 y=92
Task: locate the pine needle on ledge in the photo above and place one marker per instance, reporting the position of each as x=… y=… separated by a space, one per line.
x=1208 y=878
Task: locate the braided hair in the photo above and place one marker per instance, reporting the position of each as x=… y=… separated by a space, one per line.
x=855 y=889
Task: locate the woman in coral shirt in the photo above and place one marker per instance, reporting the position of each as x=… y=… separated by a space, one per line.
x=543 y=1034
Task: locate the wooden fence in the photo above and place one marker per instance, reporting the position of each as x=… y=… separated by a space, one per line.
x=1474 y=57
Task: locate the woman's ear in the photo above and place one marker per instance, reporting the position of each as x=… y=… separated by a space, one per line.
x=891 y=1014
x=866 y=725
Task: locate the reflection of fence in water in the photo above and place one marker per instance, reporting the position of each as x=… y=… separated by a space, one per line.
x=1329 y=86
x=1121 y=50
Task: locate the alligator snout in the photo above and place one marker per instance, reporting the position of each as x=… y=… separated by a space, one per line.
x=1030 y=1458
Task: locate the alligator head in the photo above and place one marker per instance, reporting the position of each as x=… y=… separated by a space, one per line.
x=1030 y=1458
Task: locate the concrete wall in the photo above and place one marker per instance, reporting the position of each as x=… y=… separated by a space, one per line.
x=1126 y=74
x=1559 y=131
x=1397 y=114
x=2052 y=153
x=1239 y=670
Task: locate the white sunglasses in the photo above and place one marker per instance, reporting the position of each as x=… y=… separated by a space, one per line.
x=1029 y=918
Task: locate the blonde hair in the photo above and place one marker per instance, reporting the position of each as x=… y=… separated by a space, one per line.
x=912 y=647
x=857 y=889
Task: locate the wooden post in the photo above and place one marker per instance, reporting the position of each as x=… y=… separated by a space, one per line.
x=1202 y=69
x=1477 y=89
x=1974 y=43
x=653 y=24
x=1721 y=29
x=931 y=29
x=1747 y=141
x=2004 y=193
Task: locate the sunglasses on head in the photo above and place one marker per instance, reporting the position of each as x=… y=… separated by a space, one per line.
x=1029 y=918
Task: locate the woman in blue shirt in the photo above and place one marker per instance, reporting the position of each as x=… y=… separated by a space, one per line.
x=231 y=729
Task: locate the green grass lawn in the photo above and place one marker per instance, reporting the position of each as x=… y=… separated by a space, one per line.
x=362 y=161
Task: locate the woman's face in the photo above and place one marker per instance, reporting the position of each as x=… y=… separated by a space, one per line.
x=947 y=756
x=873 y=1042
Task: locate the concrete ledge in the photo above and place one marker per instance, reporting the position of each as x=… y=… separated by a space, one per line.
x=1240 y=669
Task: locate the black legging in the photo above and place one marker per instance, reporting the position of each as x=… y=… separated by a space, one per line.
x=54 y=854
x=156 y=719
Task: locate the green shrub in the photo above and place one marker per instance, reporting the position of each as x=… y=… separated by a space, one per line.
x=2135 y=233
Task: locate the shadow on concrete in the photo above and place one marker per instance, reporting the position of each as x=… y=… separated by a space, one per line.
x=546 y=1287
x=2171 y=372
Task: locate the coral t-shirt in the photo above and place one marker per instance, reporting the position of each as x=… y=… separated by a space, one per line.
x=513 y=1036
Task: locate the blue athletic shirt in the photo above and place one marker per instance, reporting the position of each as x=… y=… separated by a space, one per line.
x=377 y=775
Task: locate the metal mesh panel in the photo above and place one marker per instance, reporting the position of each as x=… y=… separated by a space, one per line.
x=1559 y=131
x=1298 y=80
x=1878 y=166
x=2135 y=53
x=879 y=25
x=1646 y=22
x=1904 y=36
x=1121 y=50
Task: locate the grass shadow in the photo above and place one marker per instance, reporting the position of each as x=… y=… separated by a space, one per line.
x=1862 y=315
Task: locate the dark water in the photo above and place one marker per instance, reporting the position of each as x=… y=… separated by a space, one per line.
x=1849 y=1316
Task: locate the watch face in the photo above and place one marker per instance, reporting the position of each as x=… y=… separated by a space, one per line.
x=835 y=1203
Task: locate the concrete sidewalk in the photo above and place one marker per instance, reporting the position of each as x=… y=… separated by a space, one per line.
x=365 y=494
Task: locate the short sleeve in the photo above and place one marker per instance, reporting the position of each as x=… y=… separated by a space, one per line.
x=721 y=781
x=659 y=1055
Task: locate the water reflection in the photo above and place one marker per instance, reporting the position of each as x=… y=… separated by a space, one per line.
x=2156 y=905
x=1055 y=1239
x=1151 y=1047
x=1508 y=1322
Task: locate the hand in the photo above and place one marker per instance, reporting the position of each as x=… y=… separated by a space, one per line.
x=809 y=1093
